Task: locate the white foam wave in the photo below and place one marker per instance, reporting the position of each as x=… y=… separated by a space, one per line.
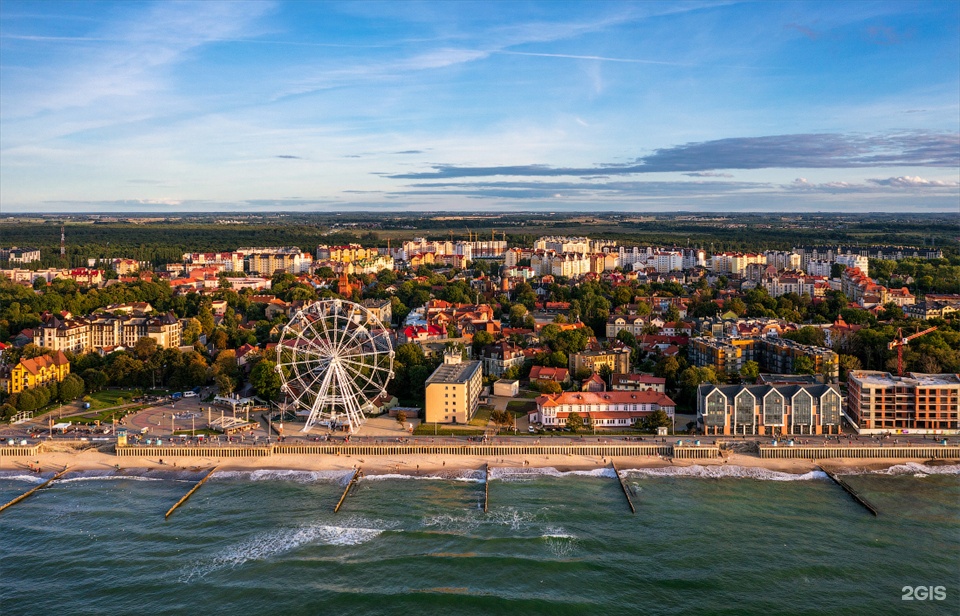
x=919 y=470
x=465 y=476
x=280 y=541
x=463 y=524
x=24 y=478
x=109 y=478
x=286 y=475
x=723 y=472
x=526 y=474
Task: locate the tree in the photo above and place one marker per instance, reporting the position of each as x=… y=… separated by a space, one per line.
x=575 y=422
x=191 y=331
x=804 y=365
x=517 y=313
x=265 y=380
x=224 y=384
x=401 y=417
x=502 y=418
x=550 y=387
x=480 y=340
x=750 y=371
x=219 y=339
x=145 y=348
x=93 y=380
x=71 y=388
x=658 y=419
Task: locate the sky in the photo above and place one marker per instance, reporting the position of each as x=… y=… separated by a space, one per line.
x=491 y=106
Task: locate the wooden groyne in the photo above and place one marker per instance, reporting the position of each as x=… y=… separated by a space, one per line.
x=811 y=452
x=188 y=494
x=486 y=487
x=849 y=490
x=623 y=486
x=37 y=488
x=353 y=480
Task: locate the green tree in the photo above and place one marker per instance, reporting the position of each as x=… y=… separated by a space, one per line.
x=750 y=371
x=401 y=417
x=71 y=388
x=804 y=365
x=550 y=387
x=658 y=419
x=480 y=340
x=575 y=422
x=265 y=380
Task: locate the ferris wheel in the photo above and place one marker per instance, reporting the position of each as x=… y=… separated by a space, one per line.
x=334 y=358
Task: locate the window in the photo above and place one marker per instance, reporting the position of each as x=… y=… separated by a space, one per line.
x=743 y=409
x=830 y=409
x=716 y=409
x=773 y=409
x=802 y=409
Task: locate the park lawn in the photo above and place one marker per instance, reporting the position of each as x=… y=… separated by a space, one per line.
x=521 y=406
x=108 y=398
x=482 y=417
x=530 y=395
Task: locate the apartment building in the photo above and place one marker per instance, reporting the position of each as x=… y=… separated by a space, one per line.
x=453 y=391
x=771 y=410
x=879 y=402
x=617 y=359
x=30 y=373
x=775 y=355
x=612 y=409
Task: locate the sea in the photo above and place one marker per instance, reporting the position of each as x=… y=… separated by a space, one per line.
x=704 y=540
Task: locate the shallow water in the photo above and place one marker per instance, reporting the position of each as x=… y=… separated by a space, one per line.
x=717 y=540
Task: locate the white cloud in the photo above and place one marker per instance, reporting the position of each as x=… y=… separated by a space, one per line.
x=912 y=181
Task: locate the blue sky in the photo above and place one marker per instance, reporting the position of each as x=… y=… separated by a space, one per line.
x=699 y=106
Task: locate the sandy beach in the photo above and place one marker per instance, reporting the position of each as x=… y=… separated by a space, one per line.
x=92 y=460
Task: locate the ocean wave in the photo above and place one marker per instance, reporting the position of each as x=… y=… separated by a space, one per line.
x=723 y=472
x=561 y=543
x=917 y=470
x=17 y=476
x=508 y=517
x=286 y=475
x=530 y=473
x=465 y=476
x=109 y=478
x=280 y=541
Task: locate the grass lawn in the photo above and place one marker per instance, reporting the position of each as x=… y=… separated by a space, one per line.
x=108 y=397
x=521 y=406
x=530 y=395
x=482 y=417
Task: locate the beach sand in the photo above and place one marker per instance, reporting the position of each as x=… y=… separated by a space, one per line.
x=421 y=464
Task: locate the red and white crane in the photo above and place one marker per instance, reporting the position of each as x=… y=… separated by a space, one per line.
x=901 y=341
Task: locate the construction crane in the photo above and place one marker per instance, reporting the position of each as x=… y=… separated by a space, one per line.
x=901 y=341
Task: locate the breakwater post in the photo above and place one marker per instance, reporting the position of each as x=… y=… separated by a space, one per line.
x=486 y=487
x=29 y=492
x=190 y=493
x=623 y=486
x=353 y=480
x=856 y=496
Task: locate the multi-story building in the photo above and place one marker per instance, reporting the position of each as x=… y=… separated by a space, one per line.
x=783 y=260
x=500 y=357
x=879 y=402
x=59 y=334
x=776 y=355
x=617 y=359
x=771 y=410
x=638 y=382
x=612 y=409
x=734 y=263
x=19 y=255
x=380 y=308
x=890 y=253
x=267 y=261
x=819 y=267
x=30 y=373
x=453 y=391
x=861 y=289
x=861 y=262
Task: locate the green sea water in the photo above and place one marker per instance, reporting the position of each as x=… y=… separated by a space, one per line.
x=703 y=541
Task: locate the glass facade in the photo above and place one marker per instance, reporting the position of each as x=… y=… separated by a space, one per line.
x=830 y=409
x=802 y=409
x=773 y=409
x=743 y=409
x=716 y=410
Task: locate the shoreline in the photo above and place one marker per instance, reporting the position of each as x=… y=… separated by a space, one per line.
x=433 y=464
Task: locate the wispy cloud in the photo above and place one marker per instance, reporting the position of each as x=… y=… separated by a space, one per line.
x=912 y=182
x=922 y=149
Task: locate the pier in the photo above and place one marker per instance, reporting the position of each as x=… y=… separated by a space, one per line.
x=623 y=486
x=36 y=489
x=849 y=490
x=486 y=487
x=190 y=493
x=353 y=480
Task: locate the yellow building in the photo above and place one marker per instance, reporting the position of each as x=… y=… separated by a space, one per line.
x=30 y=373
x=453 y=391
